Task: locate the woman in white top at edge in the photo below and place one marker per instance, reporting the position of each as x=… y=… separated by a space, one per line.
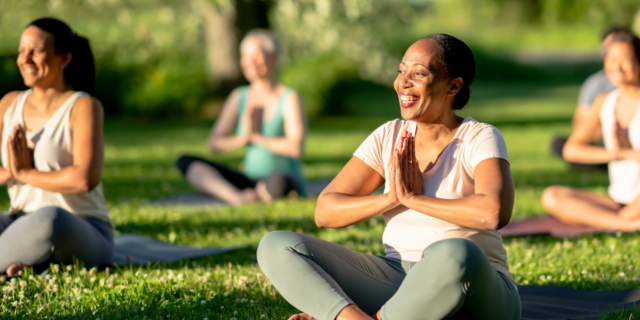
x=52 y=156
x=448 y=189
x=615 y=114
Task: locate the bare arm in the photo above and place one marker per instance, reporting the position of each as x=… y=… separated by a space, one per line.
x=347 y=200
x=489 y=208
x=5 y=103
x=295 y=127
x=580 y=115
x=221 y=138
x=88 y=154
x=578 y=147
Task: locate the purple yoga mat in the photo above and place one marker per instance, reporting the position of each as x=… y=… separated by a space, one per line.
x=547 y=225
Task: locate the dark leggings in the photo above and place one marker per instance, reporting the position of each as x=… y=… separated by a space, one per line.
x=278 y=184
x=237 y=179
x=54 y=235
x=454 y=280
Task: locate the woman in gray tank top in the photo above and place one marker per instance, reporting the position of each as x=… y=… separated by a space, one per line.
x=52 y=156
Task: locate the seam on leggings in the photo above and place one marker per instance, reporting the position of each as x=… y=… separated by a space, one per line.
x=376 y=279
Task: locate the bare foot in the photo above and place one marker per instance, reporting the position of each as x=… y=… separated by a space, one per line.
x=261 y=189
x=248 y=196
x=15 y=269
x=301 y=316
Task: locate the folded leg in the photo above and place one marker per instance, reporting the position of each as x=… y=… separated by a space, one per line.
x=54 y=234
x=321 y=278
x=454 y=280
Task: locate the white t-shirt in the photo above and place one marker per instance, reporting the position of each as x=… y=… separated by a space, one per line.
x=408 y=232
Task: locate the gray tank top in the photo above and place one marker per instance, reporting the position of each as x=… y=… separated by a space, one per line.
x=53 y=151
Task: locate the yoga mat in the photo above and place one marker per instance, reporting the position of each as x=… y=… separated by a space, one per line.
x=547 y=225
x=558 y=303
x=132 y=249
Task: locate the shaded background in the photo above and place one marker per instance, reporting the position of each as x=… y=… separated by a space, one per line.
x=168 y=58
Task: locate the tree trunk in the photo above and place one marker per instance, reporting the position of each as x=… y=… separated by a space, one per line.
x=221 y=41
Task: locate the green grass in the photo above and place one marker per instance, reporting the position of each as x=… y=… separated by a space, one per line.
x=139 y=166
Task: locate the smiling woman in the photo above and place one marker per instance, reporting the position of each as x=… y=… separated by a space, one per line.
x=448 y=189
x=52 y=155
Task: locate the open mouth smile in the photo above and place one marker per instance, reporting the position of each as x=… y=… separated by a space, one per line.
x=408 y=100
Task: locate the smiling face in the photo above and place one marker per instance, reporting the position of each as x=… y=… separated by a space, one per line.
x=621 y=64
x=423 y=86
x=38 y=61
x=255 y=63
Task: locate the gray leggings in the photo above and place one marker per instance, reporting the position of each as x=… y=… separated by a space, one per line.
x=454 y=280
x=52 y=234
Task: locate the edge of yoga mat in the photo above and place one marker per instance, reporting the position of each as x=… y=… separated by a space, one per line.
x=559 y=303
x=132 y=249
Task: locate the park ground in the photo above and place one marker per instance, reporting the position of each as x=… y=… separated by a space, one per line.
x=139 y=166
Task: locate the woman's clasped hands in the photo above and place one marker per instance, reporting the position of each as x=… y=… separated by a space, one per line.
x=405 y=176
x=19 y=155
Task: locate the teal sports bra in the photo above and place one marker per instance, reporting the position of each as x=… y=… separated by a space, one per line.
x=259 y=162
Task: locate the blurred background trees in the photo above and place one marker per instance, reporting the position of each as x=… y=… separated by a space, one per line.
x=171 y=57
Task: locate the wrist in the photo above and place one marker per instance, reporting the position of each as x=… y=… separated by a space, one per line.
x=23 y=175
x=409 y=200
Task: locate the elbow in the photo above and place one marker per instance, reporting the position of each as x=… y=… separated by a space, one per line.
x=320 y=218
x=568 y=153
x=85 y=185
x=320 y=215
x=295 y=154
x=492 y=219
x=82 y=187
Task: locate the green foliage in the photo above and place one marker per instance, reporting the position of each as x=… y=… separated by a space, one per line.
x=149 y=54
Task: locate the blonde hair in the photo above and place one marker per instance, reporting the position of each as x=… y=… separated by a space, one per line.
x=267 y=40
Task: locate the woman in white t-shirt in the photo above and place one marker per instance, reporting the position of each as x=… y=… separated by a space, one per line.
x=448 y=189
x=615 y=114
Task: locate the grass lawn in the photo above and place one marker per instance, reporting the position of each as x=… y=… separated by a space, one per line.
x=139 y=165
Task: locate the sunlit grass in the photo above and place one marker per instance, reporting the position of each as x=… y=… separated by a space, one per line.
x=139 y=165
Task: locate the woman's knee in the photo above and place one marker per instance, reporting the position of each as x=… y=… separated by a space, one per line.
x=455 y=257
x=552 y=196
x=274 y=244
x=49 y=221
x=184 y=162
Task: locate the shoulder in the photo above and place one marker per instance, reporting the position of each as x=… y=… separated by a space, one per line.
x=234 y=97
x=596 y=79
x=8 y=100
x=87 y=107
x=474 y=130
x=600 y=99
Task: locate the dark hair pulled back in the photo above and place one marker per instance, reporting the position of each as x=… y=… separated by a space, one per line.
x=458 y=60
x=80 y=73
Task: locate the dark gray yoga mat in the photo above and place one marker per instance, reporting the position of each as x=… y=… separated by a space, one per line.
x=132 y=249
x=558 y=303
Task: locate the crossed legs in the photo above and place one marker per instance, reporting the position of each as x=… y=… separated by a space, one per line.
x=52 y=234
x=454 y=280
x=583 y=207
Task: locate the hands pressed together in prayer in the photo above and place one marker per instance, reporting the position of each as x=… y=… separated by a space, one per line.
x=19 y=155
x=405 y=178
x=622 y=145
x=253 y=124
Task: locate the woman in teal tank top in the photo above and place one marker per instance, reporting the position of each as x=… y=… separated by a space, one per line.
x=268 y=119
